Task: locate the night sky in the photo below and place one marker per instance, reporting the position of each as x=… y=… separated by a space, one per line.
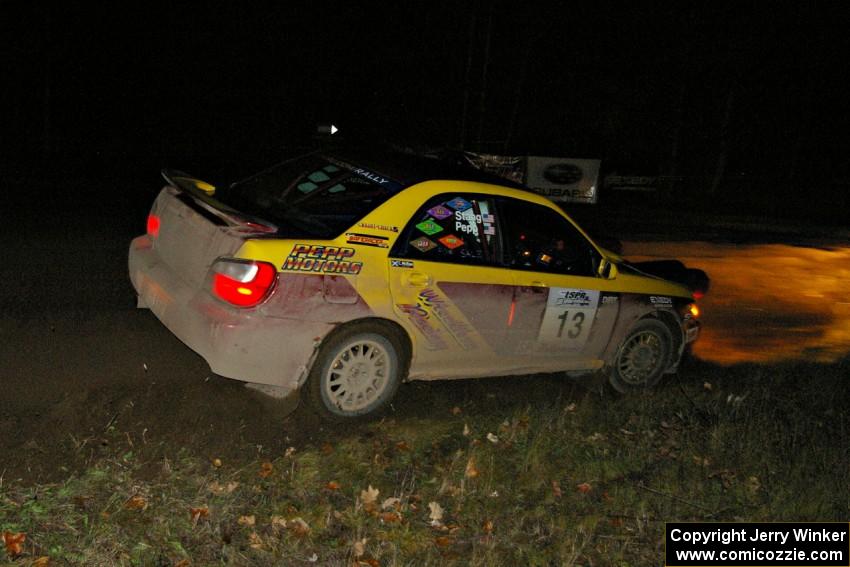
x=752 y=90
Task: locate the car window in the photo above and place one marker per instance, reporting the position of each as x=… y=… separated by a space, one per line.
x=314 y=195
x=539 y=239
x=453 y=227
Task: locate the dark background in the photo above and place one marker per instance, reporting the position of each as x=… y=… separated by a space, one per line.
x=742 y=107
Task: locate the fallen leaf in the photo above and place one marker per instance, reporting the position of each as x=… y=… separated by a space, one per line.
x=390 y=517
x=465 y=430
x=471 y=469
x=266 y=469
x=14 y=543
x=217 y=488
x=42 y=561
x=199 y=514
x=570 y=408
x=255 y=541
x=298 y=526
x=247 y=520
x=443 y=541
x=753 y=484
x=456 y=410
x=487 y=526
x=436 y=514
x=391 y=503
x=360 y=547
x=492 y=438
x=707 y=386
x=616 y=522
x=556 y=489
x=216 y=463
x=327 y=448
x=402 y=446
x=369 y=495
x=289 y=452
x=584 y=488
x=333 y=485
x=183 y=563
x=278 y=523
x=136 y=502
x=369 y=562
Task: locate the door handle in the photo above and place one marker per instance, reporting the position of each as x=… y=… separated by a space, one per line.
x=417 y=279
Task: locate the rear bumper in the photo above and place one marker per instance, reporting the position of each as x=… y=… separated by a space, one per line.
x=243 y=344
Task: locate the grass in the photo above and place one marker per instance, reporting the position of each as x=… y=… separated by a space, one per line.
x=564 y=479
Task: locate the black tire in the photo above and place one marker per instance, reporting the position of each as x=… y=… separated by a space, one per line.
x=642 y=357
x=357 y=372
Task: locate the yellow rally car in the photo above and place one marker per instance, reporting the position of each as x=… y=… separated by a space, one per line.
x=346 y=274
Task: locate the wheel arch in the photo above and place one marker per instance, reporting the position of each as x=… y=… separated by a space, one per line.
x=392 y=327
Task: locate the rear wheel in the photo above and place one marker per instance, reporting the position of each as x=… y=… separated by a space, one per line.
x=642 y=356
x=357 y=372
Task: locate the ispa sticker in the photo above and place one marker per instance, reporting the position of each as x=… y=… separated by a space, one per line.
x=568 y=317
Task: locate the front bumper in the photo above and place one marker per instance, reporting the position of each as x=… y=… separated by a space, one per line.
x=243 y=344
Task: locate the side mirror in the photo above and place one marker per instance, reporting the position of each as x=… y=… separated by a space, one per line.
x=607 y=269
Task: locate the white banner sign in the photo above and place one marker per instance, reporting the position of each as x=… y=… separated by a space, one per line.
x=563 y=179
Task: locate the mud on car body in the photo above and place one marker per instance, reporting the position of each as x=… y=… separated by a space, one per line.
x=343 y=275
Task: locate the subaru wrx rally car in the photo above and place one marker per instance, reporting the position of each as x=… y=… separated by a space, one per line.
x=345 y=274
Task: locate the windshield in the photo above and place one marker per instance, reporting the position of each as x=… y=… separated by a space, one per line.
x=314 y=195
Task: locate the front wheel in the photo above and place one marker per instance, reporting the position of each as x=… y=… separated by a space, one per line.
x=356 y=373
x=642 y=357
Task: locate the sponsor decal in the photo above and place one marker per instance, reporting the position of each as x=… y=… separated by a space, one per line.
x=372 y=226
x=439 y=212
x=321 y=259
x=374 y=177
x=660 y=301
x=401 y=263
x=434 y=303
x=459 y=204
x=608 y=299
x=419 y=316
x=429 y=227
x=467 y=221
x=573 y=297
x=423 y=244
x=451 y=241
x=366 y=174
x=366 y=239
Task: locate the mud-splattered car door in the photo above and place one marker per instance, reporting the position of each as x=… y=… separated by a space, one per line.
x=449 y=287
x=563 y=314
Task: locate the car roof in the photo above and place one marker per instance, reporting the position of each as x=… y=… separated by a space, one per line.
x=409 y=169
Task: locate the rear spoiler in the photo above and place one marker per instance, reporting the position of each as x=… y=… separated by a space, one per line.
x=202 y=193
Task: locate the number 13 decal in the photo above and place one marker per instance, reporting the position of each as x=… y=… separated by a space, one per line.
x=568 y=317
x=577 y=320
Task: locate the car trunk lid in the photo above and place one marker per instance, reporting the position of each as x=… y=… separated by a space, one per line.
x=193 y=230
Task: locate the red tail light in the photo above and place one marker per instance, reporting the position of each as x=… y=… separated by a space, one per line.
x=242 y=282
x=153 y=225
